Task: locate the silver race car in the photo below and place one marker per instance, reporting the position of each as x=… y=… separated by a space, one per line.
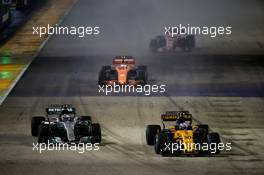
x=61 y=124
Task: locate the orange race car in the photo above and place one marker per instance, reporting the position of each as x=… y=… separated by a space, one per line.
x=123 y=71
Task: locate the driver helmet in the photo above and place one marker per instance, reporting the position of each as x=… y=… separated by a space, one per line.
x=65 y=117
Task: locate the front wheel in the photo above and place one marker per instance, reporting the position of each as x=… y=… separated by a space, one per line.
x=35 y=122
x=151 y=132
x=161 y=139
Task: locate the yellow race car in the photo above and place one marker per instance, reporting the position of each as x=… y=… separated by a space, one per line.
x=182 y=137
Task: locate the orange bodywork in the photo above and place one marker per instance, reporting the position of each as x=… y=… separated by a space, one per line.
x=122 y=73
x=122 y=66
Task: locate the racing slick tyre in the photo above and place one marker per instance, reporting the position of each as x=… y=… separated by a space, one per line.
x=153 y=46
x=35 y=122
x=161 y=41
x=151 y=132
x=105 y=68
x=161 y=139
x=200 y=134
x=143 y=74
x=203 y=127
x=103 y=74
x=82 y=128
x=107 y=74
x=96 y=133
x=132 y=75
x=43 y=133
x=213 y=139
x=86 y=118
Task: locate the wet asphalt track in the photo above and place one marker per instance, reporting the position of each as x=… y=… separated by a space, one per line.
x=224 y=91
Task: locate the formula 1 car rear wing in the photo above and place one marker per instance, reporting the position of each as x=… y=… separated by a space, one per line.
x=60 y=109
x=168 y=117
x=173 y=116
x=124 y=60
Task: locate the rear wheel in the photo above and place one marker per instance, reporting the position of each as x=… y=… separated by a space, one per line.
x=143 y=74
x=132 y=75
x=200 y=134
x=151 y=132
x=35 y=122
x=86 y=118
x=153 y=45
x=213 y=139
x=161 y=41
x=204 y=128
x=82 y=128
x=96 y=133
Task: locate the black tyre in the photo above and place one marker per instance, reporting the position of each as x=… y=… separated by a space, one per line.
x=103 y=74
x=40 y=135
x=102 y=78
x=132 y=75
x=35 y=122
x=203 y=128
x=200 y=134
x=86 y=118
x=213 y=139
x=161 y=139
x=161 y=41
x=81 y=129
x=44 y=132
x=143 y=74
x=96 y=133
x=153 y=45
x=151 y=132
x=104 y=68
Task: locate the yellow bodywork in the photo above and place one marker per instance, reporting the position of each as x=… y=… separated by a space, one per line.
x=185 y=137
